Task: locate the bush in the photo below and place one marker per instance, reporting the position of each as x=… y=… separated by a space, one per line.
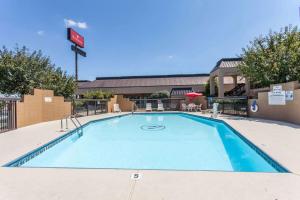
x=97 y=94
x=160 y=95
x=197 y=101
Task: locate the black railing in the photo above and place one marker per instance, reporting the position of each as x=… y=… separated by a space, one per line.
x=239 y=90
x=8 y=115
x=230 y=106
x=86 y=107
x=169 y=104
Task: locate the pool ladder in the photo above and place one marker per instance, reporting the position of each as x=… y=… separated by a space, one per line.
x=75 y=122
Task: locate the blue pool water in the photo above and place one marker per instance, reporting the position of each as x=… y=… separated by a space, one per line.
x=156 y=141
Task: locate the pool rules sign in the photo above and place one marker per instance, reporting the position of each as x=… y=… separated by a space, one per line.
x=277 y=96
x=78 y=41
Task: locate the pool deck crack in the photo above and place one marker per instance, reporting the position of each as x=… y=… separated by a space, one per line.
x=132 y=188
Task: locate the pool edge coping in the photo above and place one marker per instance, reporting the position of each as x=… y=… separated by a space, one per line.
x=269 y=159
x=35 y=152
x=55 y=141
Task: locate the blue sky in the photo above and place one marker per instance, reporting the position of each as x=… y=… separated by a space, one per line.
x=142 y=37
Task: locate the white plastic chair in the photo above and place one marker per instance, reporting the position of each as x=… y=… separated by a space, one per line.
x=183 y=107
x=191 y=107
x=160 y=107
x=199 y=107
x=148 y=107
x=117 y=108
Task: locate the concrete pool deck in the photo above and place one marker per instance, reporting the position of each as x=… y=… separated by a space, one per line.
x=279 y=140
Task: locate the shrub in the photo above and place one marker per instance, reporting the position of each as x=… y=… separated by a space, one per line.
x=97 y=94
x=160 y=95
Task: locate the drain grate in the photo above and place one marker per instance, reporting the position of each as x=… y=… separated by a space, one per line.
x=153 y=127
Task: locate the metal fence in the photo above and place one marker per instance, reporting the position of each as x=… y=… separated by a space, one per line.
x=86 y=107
x=8 y=115
x=169 y=104
x=230 y=105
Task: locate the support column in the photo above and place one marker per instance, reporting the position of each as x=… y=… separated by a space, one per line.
x=234 y=81
x=221 y=86
x=212 y=86
x=247 y=86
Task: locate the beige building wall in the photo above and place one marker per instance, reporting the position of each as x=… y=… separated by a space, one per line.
x=289 y=112
x=40 y=107
x=125 y=104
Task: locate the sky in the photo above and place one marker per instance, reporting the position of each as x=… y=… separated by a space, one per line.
x=142 y=37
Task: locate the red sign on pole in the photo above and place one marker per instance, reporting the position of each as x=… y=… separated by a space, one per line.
x=75 y=37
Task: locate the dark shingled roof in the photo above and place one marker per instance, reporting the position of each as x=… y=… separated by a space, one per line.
x=146 y=81
x=227 y=63
x=180 y=91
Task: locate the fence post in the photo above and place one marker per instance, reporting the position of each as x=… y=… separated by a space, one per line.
x=247 y=107
x=15 y=114
x=223 y=106
x=87 y=110
x=106 y=106
x=73 y=106
x=234 y=107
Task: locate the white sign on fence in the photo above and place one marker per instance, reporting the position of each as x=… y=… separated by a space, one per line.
x=289 y=95
x=277 y=89
x=48 y=99
x=277 y=98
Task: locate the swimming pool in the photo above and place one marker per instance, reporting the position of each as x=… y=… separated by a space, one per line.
x=164 y=141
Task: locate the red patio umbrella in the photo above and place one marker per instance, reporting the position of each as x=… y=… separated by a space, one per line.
x=192 y=95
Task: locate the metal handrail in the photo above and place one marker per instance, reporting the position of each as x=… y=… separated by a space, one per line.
x=78 y=125
x=73 y=122
x=77 y=121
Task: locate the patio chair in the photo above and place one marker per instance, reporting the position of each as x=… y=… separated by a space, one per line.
x=117 y=108
x=191 y=107
x=199 y=107
x=148 y=107
x=160 y=107
x=183 y=107
x=173 y=106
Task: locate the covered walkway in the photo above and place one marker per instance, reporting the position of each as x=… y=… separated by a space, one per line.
x=226 y=67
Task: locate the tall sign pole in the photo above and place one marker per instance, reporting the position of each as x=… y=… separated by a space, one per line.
x=76 y=64
x=78 y=42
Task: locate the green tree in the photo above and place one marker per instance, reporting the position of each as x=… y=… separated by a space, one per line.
x=274 y=58
x=160 y=95
x=97 y=94
x=21 y=71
